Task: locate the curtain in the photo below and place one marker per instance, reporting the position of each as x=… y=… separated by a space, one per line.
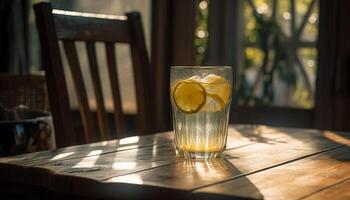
x=14 y=36
x=173 y=23
x=334 y=66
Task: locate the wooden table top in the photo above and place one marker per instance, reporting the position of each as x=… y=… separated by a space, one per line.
x=260 y=162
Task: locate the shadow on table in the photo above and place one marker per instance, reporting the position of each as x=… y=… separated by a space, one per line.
x=256 y=133
x=214 y=174
x=185 y=179
x=322 y=140
x=297 y=139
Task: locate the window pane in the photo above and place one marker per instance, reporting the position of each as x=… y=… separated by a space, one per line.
x=279 y=65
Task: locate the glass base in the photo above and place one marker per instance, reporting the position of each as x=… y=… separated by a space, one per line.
x=199 y=155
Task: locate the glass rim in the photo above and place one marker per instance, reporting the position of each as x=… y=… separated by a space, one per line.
x=216 y=67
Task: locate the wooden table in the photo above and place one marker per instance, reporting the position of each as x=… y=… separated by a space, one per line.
x=260 y=162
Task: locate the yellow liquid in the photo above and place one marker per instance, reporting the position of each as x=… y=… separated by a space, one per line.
x=202 y=134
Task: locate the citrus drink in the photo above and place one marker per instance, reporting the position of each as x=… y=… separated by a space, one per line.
x=201 y=104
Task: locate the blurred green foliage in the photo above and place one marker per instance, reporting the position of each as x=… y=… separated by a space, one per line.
x=201 y=32
x=267 y=54
x=268 y=60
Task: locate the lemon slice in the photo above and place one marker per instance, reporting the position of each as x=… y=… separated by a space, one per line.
x=218 y=90
x=189 y=96
x=213 y=103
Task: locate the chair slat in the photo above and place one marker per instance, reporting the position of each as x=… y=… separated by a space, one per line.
x=142 y=73
x=95 y=75
x=68 y=26
x=112 y=67
x=56 y=83
x=102 y=29
x=72 y=57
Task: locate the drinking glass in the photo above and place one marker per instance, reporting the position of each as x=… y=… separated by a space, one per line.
x=200 y=98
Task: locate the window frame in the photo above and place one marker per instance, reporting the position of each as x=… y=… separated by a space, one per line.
x=222 y=51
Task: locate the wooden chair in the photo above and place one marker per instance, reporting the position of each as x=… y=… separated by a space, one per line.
x=67 y=26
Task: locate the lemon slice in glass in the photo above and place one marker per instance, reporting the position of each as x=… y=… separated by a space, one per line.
x=213 y=103
x=189 y=96
x=218 y=90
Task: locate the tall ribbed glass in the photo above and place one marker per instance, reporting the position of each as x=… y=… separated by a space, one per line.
x=201 y=97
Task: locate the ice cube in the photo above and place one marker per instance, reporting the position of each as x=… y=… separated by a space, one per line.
x=195 y=78
x=212 y=78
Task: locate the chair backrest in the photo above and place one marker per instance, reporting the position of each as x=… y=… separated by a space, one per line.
x=68 y=27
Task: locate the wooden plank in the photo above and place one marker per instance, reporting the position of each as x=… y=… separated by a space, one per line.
x=96 y=82
x=57 y=176
x=57 y=172
x=80 y=151
x=185 y=177
x=102 y=166
x=260 y=147
x=246 y=159
x=143 y=76
x=134 y=159
x=56 y=82
x=117 y=102
x=296 y=180
x=106 y=28
x=86 y=115
x=238 y=135
x=339 y=191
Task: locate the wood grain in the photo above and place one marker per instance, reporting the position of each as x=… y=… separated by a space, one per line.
x=80 y=151
x=246 y=159
x=339 y=191
x=103 y=29
x=186 y=176
x=153 y=169
x=96 y=81
x=86 y=115
x=46 y=170
x=238 y=135
x=44 y=164
x=56 y=84
x=295 y=180
x=144 y=76
x=117 y=102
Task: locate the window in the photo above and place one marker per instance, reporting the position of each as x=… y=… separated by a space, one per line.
x=279 y=43
x=271 y=45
